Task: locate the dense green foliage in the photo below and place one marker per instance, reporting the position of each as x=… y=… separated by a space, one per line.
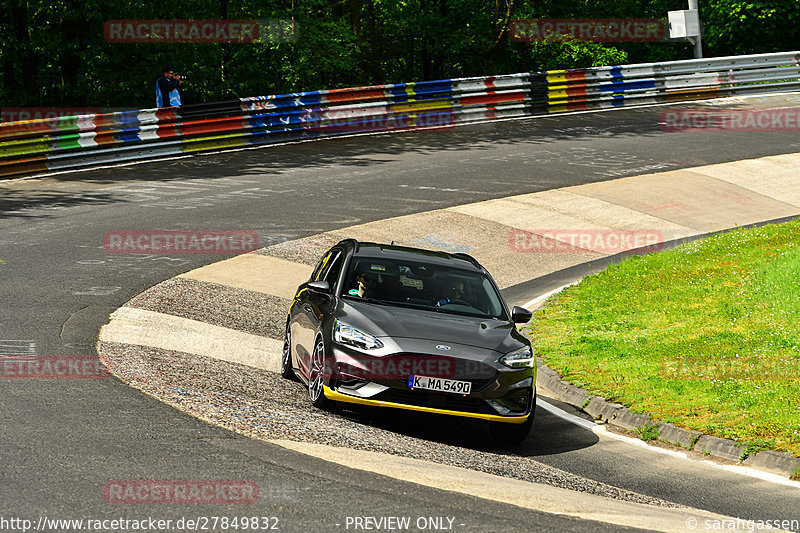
x=53 y=53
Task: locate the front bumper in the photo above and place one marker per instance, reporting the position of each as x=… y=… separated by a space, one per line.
x=345 y=398
x=379 y=378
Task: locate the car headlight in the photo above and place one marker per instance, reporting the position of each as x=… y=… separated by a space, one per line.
x=347 y=334
x=522 y=358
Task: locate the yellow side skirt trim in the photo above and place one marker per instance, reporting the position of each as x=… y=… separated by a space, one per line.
x=338 y=397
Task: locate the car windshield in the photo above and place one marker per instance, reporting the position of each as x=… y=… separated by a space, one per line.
x=423 y=286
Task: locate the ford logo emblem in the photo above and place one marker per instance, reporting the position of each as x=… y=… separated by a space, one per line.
x=442 y=347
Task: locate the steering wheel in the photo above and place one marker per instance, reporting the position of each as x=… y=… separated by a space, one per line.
x=457 y=302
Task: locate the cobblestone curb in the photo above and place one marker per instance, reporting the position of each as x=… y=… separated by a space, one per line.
x=621 y=417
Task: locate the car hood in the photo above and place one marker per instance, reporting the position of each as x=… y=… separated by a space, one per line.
x=406 y=323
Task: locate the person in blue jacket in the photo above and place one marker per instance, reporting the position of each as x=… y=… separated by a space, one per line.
x=167 y=93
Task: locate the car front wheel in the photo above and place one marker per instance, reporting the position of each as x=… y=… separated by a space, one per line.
x=286 y=357
x=316 y=377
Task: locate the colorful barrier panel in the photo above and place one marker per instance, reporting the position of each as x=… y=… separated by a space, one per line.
x=42 y=145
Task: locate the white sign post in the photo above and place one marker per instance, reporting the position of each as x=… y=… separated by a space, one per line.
x=687 y=24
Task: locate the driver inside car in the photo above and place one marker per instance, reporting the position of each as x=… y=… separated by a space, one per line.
x=366 y=285
x=455 y=292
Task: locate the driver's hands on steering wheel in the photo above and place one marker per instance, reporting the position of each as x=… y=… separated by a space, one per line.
x=454 y=294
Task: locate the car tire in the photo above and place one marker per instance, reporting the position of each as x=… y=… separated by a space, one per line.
x=316 y=377
x=286 y=356
x=513 y=434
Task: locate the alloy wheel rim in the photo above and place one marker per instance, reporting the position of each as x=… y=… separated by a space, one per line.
x=315 y=385
x=287 y=350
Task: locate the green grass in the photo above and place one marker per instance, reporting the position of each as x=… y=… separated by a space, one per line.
x=706 y=336
x=753 y=448
x=648 y=431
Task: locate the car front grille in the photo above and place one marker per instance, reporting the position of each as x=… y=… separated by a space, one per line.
x=435 y=400
x=479 y=374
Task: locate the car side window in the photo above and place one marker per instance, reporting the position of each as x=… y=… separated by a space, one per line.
x=318 y=270
x=331 y=273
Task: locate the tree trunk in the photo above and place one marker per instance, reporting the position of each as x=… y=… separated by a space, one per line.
x=224 y=54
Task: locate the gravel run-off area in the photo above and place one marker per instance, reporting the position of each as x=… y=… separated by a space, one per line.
x=262 y=405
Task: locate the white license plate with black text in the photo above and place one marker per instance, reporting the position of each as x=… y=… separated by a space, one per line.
x=439 y=384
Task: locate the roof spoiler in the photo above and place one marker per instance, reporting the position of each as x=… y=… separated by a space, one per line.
x=467 y=257
x=354 y=242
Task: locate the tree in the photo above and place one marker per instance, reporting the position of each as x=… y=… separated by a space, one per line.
x=53 y=53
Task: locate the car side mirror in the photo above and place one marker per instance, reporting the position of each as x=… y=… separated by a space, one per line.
x=319 y=287
x=520 y=315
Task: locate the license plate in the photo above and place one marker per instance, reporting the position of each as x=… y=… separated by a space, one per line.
x=439 y=384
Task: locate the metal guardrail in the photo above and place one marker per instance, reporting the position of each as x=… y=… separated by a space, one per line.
x=674 y=81
x=86 y=140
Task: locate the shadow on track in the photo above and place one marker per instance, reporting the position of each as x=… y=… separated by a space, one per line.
x=594 y=147
x=550 y=434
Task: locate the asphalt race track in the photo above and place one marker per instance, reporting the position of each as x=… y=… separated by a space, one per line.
x=62 y=440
